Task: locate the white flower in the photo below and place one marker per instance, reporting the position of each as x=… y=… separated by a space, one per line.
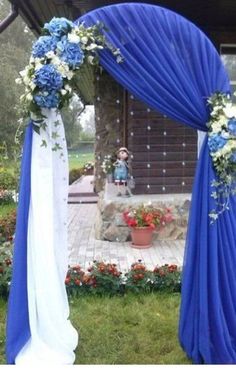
x=38 y=65
x=91 y=46
x=73 y=38
x=32 y=85
x=26 y=80
x=63 y=92
x=29 y=97
x=229 y=110
x=90 y=59
x=84 y=39
x=55 y=60
x=50 y=54
x=18 y=81
x=68 y=88
x=23 y=73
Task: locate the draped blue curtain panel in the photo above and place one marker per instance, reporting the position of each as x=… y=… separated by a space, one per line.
x=173 y=67
x=18 y=329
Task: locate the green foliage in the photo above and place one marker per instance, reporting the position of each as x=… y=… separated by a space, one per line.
x=15 y=52
x=75 y=174
x=7 y=226
x=6 y=197
x=70 y=116
x=166 y=278
x=105 y=279
x=79 y=159
x=5 y=271
x=7 y=180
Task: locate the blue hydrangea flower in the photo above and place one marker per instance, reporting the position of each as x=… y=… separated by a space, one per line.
x=216 y=142
x=43 y=45
x=71 y=53
x=58 y=26
x=233 y=157
x=47 y=99
x=48 y=78
x=232 y=126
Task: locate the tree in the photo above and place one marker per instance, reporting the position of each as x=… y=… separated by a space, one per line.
x=71 y=121
x=15 y=52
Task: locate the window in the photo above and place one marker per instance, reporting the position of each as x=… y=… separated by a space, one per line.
x=228 y=55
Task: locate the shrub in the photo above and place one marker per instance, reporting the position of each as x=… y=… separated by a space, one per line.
x=166 y=278
x=5 y=271
x=7 y=181
x=75 y=174
x=138 y=278
x=6 y=197
x=7 y=227
x=104 y=278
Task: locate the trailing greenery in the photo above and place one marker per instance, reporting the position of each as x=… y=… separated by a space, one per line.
x=133 y=329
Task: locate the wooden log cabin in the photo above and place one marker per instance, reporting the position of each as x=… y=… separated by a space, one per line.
x=163 y=152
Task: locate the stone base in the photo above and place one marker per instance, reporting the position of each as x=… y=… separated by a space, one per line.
x=109 y=221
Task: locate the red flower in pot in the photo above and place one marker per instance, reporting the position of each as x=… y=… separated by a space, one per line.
x=143 y=220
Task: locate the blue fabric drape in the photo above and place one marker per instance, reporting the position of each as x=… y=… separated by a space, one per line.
x=173 y=67
x=18 y=329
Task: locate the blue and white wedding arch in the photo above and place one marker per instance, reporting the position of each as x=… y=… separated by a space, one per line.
x=173 y=67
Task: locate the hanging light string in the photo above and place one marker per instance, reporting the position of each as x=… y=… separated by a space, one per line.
x=148 y=147
x=131 y=113
x=118 y=113
x=183 y=162
x=164 y=154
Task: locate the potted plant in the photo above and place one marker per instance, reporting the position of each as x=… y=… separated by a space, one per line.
x=143 y=220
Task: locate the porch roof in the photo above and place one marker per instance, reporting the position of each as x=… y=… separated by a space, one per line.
x=209 y=15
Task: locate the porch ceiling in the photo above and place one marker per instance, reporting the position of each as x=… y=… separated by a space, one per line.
x=209 y=15
x=205 y=13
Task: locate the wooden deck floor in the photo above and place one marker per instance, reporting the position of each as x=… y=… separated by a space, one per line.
x=84 y=248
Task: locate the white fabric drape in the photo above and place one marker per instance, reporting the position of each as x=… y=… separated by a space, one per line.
x=53 y=338
x=200 y=138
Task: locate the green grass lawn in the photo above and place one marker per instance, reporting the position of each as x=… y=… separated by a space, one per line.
x=78 y=160
x=134 y=329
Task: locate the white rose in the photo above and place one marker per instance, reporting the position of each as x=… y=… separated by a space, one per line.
x=32 y=85
x=230 y=111
x=68 y=88
x=38 y=65
x=26 y=80
x=73 y=38
x=18 y=81
x=63 y=92
x=90 y=59
x=55 y=60
x=84 y=39
x=50 y=54
x=29 y=97
x=91 y=46
x=23 y=73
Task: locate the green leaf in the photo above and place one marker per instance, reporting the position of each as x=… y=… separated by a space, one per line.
x=44 y=143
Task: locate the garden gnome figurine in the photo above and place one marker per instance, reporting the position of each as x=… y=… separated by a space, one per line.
x=121 y=172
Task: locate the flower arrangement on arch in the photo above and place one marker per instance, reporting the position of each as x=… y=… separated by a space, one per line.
x=56 y=58
x=148 y=216
x=222 y=147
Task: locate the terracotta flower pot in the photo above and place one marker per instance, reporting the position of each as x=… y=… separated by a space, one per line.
x=141 y=237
